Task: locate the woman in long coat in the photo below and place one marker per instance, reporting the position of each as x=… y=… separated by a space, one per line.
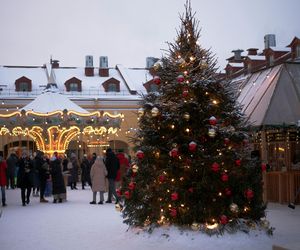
x=25 y=178
x=74 y=171
x=98 y=174
x=58 y=184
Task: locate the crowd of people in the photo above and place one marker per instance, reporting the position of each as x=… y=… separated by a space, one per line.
x=39 y=174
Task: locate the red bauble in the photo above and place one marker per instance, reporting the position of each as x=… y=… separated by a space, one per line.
x=119 y=192
x=245 y=142
x=191 y=190
x=131 y=185
x=223 y=219
x=213 y=120
x=140 y=154
x=238 y=162
x=162 y=178
x=192 y=146
x=173 y=212
x=127 y=194
x=224 y=177
x=228 y=191
x=174 y=196
x=180 y=78
x=156 y=80
x=215 y=167
x=249 y=194
x=263 y=167
x=226 y=141
x=185 y=93
x=174 y=153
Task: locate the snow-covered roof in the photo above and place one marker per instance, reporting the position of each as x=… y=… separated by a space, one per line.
x=256 y=57
x=281 y=49
x=238 y=65
x=130 y=80
x=51 y=101
x=270 y=96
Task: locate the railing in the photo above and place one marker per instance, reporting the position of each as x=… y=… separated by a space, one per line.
x=281 y=186
x=89 y=92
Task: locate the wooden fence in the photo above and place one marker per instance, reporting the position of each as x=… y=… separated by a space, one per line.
x=281 y=186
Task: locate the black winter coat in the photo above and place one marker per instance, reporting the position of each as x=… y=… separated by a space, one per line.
x=112 y=165
x=58 y=184
x=25 y=173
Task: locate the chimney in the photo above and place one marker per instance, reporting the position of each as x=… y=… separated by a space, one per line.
x=270 y=41
x=150 y=61
x=103 y=66
x=54 y=63
x=89 y=68
x=238 y=55
x=252 y=51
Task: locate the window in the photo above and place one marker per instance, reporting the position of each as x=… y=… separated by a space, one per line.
x=271 y=60
x=24 y=86
x=153 y=88
x=112 y=87
x=298 y=51
x=74 y=86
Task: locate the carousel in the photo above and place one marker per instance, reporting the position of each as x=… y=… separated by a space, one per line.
x=52 y=121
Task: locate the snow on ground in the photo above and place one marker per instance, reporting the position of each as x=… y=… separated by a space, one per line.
x=78 y=225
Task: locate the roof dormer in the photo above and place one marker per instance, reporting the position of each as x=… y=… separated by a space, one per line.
x=23 y=84
x=73 y=84
x=111 y=85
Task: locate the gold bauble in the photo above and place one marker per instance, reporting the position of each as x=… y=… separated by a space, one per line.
x=186 y=116
x=135 y=168
x=141 y=112
x=174 y=145
x=211 y=132
x=154 y=112
x=234 y=208
x=118 y=207
x=195 y=226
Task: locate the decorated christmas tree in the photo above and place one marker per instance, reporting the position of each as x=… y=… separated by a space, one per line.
x=193 y=166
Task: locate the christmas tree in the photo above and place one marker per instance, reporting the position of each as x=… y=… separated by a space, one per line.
x=192 y=166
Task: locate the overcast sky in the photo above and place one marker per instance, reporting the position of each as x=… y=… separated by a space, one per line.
x=127 y=31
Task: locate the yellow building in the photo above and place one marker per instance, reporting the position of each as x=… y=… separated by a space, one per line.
x=96 y=100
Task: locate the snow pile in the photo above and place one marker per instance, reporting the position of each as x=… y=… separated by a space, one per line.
x=78 y=225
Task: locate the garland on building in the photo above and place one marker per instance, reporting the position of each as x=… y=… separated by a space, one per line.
x=193 y=167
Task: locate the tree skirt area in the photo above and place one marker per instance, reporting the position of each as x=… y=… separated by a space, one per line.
x=76 y=224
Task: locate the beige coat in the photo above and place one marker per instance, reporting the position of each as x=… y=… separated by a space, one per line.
x=98 y=174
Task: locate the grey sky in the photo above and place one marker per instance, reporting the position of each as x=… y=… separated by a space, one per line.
x=127 y=31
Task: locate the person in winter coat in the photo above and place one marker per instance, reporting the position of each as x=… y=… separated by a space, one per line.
x=112 y=165
x=98 y=174
x=11 y=162
x=74 y=171
x=58 y=184
x=3 y=180
x=85 y=165
x=25 y=178
x=42 y=167
x=124 y=165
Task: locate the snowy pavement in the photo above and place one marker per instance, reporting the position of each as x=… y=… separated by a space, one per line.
x=78 y=225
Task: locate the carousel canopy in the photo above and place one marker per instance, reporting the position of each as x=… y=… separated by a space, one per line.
x=51 y=100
